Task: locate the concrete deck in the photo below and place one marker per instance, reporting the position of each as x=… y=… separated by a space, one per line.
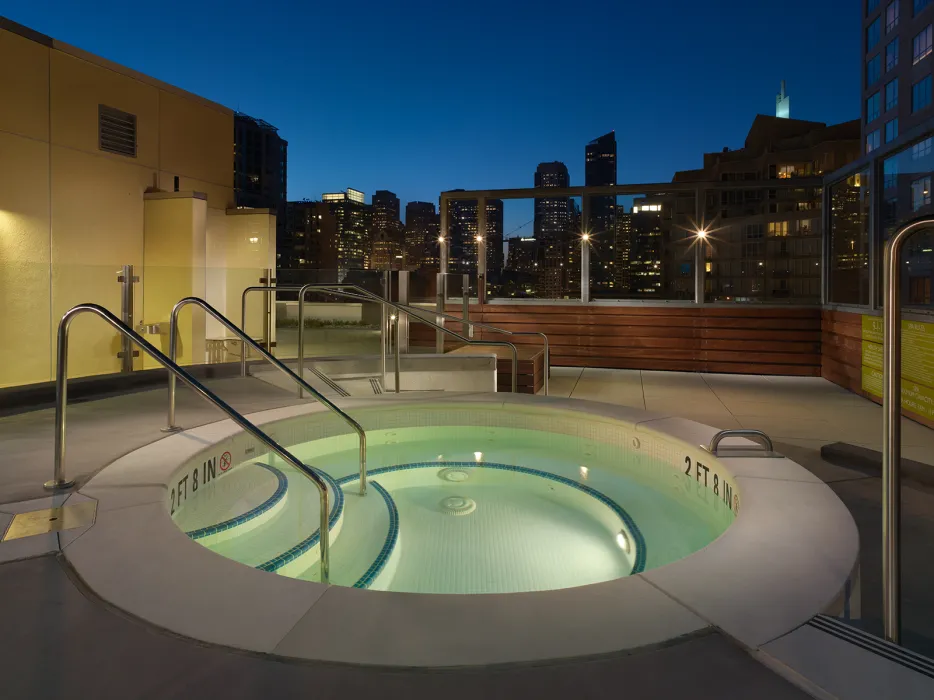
x=61 y=640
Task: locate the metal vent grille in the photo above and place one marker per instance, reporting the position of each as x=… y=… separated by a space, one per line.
x=117 y=131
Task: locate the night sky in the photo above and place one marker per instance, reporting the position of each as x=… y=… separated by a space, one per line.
x=420 y=97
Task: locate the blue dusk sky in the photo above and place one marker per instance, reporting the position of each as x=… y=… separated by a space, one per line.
x=420 y=97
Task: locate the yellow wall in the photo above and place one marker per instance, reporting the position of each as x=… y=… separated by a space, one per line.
x=72 y=215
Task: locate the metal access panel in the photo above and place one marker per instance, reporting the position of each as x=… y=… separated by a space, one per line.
x=39 y=522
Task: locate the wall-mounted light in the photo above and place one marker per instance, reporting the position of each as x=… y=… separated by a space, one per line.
x=254 y=239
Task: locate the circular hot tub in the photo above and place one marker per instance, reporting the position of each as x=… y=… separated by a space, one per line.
x=538 y=528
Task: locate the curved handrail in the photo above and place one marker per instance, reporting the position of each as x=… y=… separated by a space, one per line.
x=891 y=425
x=229 y=325
x=494 y=329
x=61 y=403
x=756 y=435
x=329 y=288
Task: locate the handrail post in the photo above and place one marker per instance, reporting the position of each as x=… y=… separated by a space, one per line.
x=383 y=340
x=892 y=429
x=171 y=427
x=58 y=481
x=398 y=352
x=301 y=338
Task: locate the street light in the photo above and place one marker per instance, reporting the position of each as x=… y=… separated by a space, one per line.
x=699 y=266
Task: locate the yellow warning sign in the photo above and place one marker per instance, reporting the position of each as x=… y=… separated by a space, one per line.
x=917 y=364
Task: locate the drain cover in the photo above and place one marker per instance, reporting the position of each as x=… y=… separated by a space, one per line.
x=455 y=475
x=458 y=505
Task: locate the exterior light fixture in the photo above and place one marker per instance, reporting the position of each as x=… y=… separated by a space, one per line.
x=440 y=239
x=701 y=233
x=479 y=239
x=622 y=540
x=585 y=237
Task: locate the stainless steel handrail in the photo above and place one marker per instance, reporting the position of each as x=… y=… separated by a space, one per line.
x=401 y=308
x=468 y=322
x=244 y=338
x=61 y=403
x=756 y=435
x=892 y=428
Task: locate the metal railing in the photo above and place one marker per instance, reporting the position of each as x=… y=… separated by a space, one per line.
x=364 y=295
x=467 y=322
x=61 y=402
x=892 y=427
x=246 y=340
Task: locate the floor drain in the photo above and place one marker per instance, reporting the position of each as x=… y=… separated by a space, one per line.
x=458 y=505
x=455 y=475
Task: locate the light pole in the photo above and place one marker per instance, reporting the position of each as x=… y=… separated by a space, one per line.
x=585 y=268
x=700 y=266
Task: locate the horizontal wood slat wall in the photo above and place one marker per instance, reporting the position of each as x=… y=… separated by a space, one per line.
x=842 y=355
x=745 y=340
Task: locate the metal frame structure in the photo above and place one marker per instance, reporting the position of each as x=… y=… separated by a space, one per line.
x=892 y=428
x=244 y=338
x=59 y=481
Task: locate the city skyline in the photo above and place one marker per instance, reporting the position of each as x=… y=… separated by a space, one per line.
x=426 y=138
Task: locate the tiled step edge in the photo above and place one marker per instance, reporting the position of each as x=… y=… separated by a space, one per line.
x=392 y=536
x=240 y=520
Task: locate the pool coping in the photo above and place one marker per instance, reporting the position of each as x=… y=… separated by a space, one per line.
x=790 y=554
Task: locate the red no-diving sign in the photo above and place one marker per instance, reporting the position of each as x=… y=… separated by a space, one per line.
x=225 y=461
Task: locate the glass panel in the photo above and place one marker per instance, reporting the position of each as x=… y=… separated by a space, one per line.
x=646 y=253
x=764 y=244
x=907 y=195
x=849 y=240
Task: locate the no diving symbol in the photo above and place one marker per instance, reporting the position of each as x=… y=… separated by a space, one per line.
x=225 y=461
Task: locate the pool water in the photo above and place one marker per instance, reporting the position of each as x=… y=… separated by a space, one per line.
x=465 y=510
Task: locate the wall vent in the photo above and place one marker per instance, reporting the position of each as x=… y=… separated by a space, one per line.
x=117 y=131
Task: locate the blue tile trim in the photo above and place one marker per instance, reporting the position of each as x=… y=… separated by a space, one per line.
x=641 y=550
x=294 y=552
x=278 y=495
x=388 y=545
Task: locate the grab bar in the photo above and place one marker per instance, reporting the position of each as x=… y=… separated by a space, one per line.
x=244 y=338
x=468 y=322
x=756 y=435
x=401 y=308
x=61 y=403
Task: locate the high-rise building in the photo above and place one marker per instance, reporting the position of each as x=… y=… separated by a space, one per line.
x=386 y=232
x=353 y=219
x=421 y=235
x=260 y=168
x=462 y=224
x=648 y=242
x=783 y=104
x=310 y=242
x=551 y=227
x=622 y=276
x=600 y=169
x=897 y=81
x=764 y=241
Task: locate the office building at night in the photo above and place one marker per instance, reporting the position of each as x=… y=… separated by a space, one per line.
x=353 y=219
x=385 y=232
x=600 y=169
x=310 y=241
x=551 y=227
x=421 y=235
x=260 y=168
x=463 y=233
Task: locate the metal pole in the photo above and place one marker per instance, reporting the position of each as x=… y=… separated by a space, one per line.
x=891 y=429
x=126 y=280
x=481 y=250
x=270 y=302
x=59 y=481
x=398 y=352
x=585 y=249
x=699 y=269
x=440 y=295
x=383 y=339
x=301 y=340
x=465 y=306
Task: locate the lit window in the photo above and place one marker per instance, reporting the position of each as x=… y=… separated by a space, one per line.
x=873 y=33
x=891 y=94
x=872 y=141
x=872 y=108
x=891 y=130
x=921 y=94
x=921 y=44
x=920 y=193
x=891 y=54
x=788 y=171
x=778 y=228
x=891 y=15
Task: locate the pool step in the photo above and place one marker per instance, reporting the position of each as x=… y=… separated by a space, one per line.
x=288 y=541
x=364 y=556
x=232 y=504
